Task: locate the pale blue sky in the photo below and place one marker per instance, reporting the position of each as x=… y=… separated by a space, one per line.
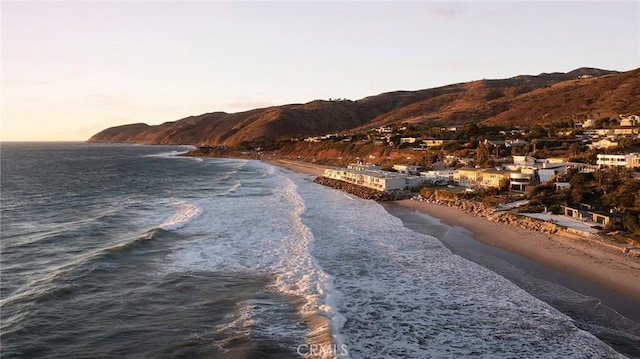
x=70 y=69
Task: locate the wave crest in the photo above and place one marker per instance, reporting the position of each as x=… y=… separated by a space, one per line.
x=186 y=212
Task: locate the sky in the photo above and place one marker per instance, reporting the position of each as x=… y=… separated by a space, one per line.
x=70 y=69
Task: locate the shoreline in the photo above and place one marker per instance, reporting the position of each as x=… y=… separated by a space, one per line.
x=580 y=258
x=613 y=273
x=596 y=287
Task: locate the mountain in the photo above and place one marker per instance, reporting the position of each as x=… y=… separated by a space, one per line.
x=518 y=101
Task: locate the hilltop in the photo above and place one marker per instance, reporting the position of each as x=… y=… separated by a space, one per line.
x=524 y=100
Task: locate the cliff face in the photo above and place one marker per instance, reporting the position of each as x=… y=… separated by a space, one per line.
x=521 y=100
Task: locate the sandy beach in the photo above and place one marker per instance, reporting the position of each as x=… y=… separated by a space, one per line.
x=597 y=287
x=615 y=273
x=580 y=258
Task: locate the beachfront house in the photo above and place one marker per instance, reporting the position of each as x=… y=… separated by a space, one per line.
x=588 y=213
x=482 y=177
x=408 y=170
x=495 y=178
x=443 y=176
x=361 y=166
x=519 y=181
x=375 y=179
x=467 y=177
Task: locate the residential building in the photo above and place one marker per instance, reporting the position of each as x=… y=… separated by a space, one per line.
x=629 y=120
x=408 y=140
x=629 y=160
x=468 y=177
x=495 y=178
x=361 y=166
x=443 y=176
x=629 y=131
x=481 y=177
x=375 y=179
x=433 y=142
x=409 y=170
x=519 y=181
x=604 y=143
x=588 y=213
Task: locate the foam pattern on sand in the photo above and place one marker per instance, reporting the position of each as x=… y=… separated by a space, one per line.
x=405 y=295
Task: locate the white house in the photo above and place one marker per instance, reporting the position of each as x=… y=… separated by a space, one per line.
x=407 y=169
x=630 y=120
x=604 y=143
x=589 y=123
x=361 y=166
x=629 y=160
x=378 y=180
x=408 y=140
x=444 y=175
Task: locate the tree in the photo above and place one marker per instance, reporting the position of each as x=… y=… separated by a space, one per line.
x=470 y=128
x=625 y=196
x=482 y=156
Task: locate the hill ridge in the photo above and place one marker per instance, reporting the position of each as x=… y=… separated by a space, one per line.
x=516 y=101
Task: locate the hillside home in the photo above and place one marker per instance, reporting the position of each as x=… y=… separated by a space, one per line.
x=604 y=143
x=408 y=140
x=455 y=128
x=629 y=120
x=515 y=143
x=589 y=123
x=545 y=168
x=384 y=129
x=433 y=142
x=630 y=160
x=523 y=160
x=629 y=131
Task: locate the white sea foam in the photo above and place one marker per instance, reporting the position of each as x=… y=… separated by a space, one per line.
x=186 y=212
x=173 y=153
x=259 y=231
x=386 y=291
x=405 y=295
x=229 y=190
x=301 y=275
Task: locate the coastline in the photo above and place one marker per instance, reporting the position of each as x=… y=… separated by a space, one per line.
x=580 y=258
x=577 y=264
x=576 y=257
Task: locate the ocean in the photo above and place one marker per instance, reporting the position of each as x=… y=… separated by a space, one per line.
x=111 y=251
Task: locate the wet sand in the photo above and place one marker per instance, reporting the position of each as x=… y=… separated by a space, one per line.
x=597 y=287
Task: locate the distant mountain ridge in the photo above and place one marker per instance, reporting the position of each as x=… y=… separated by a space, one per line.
x=523 y=100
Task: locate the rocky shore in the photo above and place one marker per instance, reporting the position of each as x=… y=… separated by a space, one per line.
x=479 y=209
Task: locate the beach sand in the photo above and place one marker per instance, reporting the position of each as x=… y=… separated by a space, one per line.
x=599 y=288
x=578 y=257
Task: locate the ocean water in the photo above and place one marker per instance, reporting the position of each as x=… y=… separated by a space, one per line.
x=132 y=251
